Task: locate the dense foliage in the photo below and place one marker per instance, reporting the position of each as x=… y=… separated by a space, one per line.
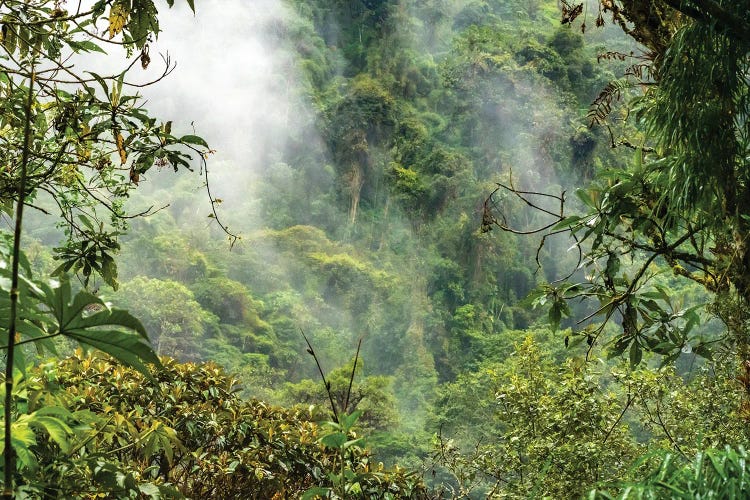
x=490 y=361
x=416 y=111
x=185 y=433
x=61 y=131
x=679 y=202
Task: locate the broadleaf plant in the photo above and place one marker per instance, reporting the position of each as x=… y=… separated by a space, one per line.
x=78 y=141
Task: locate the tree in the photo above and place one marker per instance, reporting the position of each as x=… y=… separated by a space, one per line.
x=372 y=395
x=360 y=123
x=544 y=431
x=169 y=312
x=78 y=141
x=183 y=432
x=682 y=201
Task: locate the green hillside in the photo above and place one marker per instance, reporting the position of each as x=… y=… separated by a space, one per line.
x=509 y=252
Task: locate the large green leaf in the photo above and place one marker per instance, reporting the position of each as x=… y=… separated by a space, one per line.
x=334 y=440
x=160 y=438
x=194 y=139
x=127 y=348
x=57 y=429
x=23 y=439
x=86 y=319
x=31 y=321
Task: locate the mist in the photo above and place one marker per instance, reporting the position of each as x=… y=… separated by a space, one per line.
x=294 y=112
x=234 y=83
x=379 y=208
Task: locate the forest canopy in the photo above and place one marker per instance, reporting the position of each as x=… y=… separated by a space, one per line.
x=489 y=249
x=681 y=202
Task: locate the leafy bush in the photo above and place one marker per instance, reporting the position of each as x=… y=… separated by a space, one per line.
x=184 y=434
x=711 y=474
x=550 y=432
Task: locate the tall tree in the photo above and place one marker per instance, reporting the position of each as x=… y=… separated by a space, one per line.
x=684 y=199
x=78 y=141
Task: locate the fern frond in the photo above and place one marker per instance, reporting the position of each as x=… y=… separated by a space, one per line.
x=612 y=55
x=600 y=109
x=641 y=71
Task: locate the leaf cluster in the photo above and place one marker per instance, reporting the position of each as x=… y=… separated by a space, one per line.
x=90 y=139
x=188 y=432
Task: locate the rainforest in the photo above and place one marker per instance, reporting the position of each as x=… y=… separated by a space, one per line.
x=375 y=249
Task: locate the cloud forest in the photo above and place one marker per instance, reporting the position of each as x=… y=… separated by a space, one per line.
x=375 y=249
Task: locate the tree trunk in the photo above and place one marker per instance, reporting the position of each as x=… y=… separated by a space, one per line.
x=356 y=181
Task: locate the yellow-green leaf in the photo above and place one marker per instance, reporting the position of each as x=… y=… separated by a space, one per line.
x=121 y=148
x=118 y=17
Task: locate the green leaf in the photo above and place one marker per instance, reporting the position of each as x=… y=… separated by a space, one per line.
x=53 y=411
x=557 y=310
x=150 y=490
x=160 y=438
x=348 y=421
x=23 y=438
x=314 y=493
x=638 y=158
x=114 y=317
x=84 y=46
x=86 y=222
x=334 y=440
x=127 y=348
x=619 y=347
x=566 y=222
x=718 y=466
x=636 y=354
x=109 y=271
x=536 y=297
x=58 y=430
x=194 y=139
x=585 y=197
x=613 y=266
x=703 y=351
x=354 y=442
x=101 y=82
x=113 y=331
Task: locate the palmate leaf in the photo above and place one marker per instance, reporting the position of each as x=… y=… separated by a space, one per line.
x=23 y=439
x=31 y=322
x=58 y=430
x=113 y=331
x=160 y=438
